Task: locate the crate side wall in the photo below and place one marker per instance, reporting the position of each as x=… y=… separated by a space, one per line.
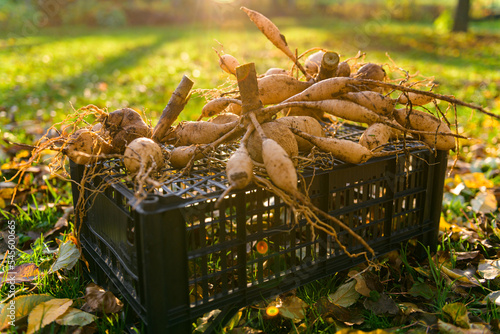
x=214 y=255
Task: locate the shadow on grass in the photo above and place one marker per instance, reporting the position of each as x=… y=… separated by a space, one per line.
x=125 y=59
x=477 y=51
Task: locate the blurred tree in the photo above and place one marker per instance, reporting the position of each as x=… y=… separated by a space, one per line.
x=461 y=20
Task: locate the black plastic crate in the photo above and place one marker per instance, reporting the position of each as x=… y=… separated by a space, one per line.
x=175 y=257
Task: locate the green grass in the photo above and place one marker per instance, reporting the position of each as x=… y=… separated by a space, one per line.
x=46 y=74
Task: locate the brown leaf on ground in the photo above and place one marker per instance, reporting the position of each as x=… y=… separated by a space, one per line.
x=446 y=328
x=463 y=278
x=360 y=286
x=292 y=307
x=25 y=272
x=348 y=316
x=495 y=325
x=99 y=300
x=373 y=282
x=383 y=305
x=461 y=256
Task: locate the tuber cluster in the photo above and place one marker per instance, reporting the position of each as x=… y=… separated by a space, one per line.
x=275 y=119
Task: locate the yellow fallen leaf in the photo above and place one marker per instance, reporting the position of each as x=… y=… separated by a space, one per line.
x=458 y=313
x=6 y=193
x=358 y=331
x=444 y=226
x=46 y=312
x=474 y=180
x=422 y=271
x=10 y=165
x=23 y=154
x=456 y=276
x=22 y=307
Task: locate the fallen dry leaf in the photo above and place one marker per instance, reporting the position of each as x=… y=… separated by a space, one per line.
x=345 y=295
x=46 y=312
x=99 y=300
x=458 y=314
x=446 y=328
x=348 y=316
x=494 y=297
x=373 y=282
x=75 y=317
x=473 y=180
x=361 y=286
x=234 y=321
x=22 y=306
x=463 y=277
x=421 y=289
x=444 y=226
x=358 y=331
x=25 y=272
x=246 y=330
x=4 y=246
x=489 y=269
x=484 y=202
x=409 y=308
x=383 y=305
x=293 y=308
x=67 y=256
x=204 y=322
x=461 y=256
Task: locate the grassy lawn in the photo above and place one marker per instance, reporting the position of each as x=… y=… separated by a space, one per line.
x=139 y=67
x=42 y=78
